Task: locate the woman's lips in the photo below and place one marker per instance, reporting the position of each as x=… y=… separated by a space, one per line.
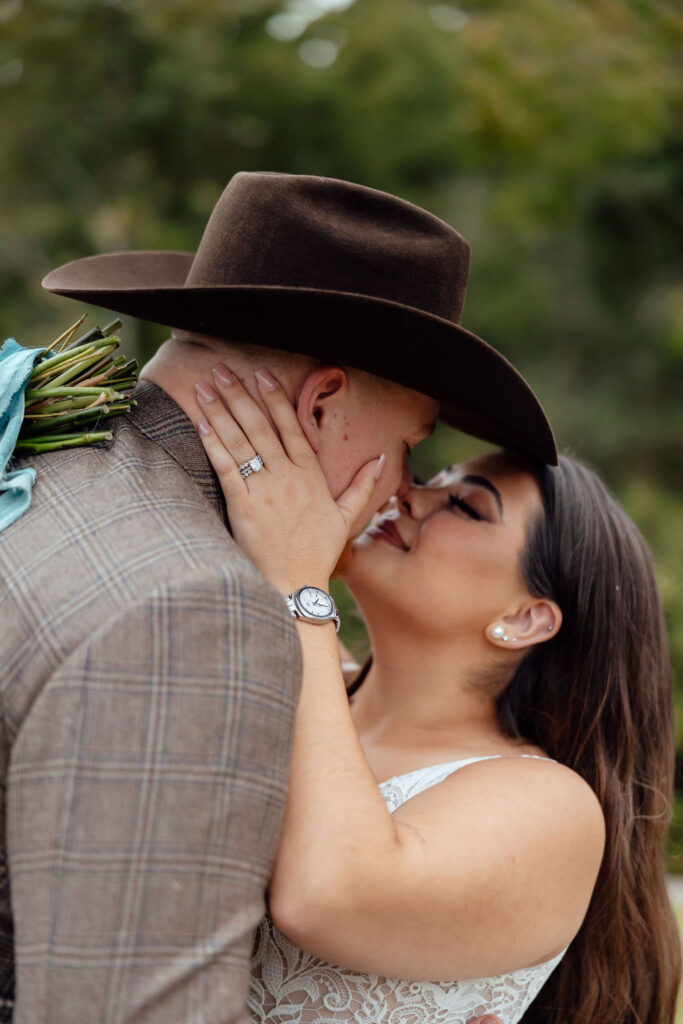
x=388 y=531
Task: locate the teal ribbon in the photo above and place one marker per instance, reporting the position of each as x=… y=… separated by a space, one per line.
x=16 y=364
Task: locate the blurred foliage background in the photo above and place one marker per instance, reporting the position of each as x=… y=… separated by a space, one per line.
x=549 y=132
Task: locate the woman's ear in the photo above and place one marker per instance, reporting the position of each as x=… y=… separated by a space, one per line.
x=537 y=620
x=314 y=405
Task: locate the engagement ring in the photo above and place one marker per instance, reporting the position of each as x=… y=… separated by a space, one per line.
x=251 y=466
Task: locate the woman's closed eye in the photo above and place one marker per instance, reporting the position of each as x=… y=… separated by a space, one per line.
x=465 y=507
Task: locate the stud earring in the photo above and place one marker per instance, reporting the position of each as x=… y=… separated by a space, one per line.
x=514 y=639
x=499 y=634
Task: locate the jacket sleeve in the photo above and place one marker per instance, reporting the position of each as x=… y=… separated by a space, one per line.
x=145 y=796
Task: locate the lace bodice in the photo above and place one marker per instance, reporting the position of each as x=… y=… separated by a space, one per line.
x=290 y=986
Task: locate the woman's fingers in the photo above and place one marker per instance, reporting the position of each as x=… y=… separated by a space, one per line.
x=357 y=495
x=255 y=426
x=224 y=424
x=221 y=459
x=285 y=419
x=239 y=412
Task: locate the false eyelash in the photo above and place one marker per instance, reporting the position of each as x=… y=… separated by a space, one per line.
x=416 y=482
x=464 y=507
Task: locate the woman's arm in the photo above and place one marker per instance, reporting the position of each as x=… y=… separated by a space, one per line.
x=490 y=870
x=486 y=872
x=350 y=667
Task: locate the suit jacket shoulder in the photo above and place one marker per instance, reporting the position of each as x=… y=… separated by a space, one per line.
x=149 y=677
x=107 y=525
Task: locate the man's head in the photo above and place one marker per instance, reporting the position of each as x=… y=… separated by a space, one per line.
x=341 y=273
x=348 y=416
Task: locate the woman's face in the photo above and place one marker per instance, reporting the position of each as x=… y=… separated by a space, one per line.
x=447 y=555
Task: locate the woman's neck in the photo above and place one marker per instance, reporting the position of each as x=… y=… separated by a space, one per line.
x=422 y=691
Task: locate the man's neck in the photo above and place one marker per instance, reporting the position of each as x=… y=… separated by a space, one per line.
x=177 y=366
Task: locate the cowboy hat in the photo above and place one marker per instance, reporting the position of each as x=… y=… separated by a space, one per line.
x=333 y=270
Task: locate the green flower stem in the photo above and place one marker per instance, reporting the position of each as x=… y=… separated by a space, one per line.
x=95 y=334
x=51 y=367
x=48 y=365
x=42 y=426
x=51 y=408
x=127 y=368
x=48 y=410
x=49 y=438
x=112 y=328
x=66 y=337
x=79 y=367
x=110 y=372
x=51 y=446
x=98 y=371
x=74 y=392
x=102 y=412
x=116 y=410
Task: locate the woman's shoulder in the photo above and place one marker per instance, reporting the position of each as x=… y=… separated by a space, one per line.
x=532 y=772
x=538 y=792
x=519 y=840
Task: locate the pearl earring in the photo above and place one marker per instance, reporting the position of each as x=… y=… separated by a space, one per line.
x=499 y=634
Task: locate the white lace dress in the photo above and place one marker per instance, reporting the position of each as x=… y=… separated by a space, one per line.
x=290 y=986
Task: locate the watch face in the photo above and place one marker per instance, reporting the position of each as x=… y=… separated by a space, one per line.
x=315 y=602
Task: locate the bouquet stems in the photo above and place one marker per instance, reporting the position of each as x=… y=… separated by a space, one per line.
x=74 y=386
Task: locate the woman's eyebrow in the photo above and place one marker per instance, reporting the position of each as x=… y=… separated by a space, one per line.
x=472 y=478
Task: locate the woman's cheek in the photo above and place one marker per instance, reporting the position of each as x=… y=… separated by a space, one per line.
x=473 y=554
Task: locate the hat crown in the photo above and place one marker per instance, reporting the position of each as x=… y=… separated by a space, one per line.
x=300 y=231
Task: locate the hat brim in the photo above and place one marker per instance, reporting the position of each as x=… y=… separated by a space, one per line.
x=480 y=392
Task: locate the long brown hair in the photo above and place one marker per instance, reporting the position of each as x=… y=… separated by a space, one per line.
x=597 y=697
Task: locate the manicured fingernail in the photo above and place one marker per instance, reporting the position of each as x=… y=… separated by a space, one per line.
x=379 y=468
x=203 y=426
x=223 y=374
x=266 y=378
x=206 y=392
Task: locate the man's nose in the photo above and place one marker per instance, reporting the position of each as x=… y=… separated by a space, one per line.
x=405 y=485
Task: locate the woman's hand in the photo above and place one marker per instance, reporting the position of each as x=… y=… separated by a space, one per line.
x=283 y=515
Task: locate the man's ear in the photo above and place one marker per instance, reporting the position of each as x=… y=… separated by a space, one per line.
x=535 y=621
x=318 y=399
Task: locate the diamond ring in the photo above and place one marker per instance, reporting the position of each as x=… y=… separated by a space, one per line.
x=251 y=466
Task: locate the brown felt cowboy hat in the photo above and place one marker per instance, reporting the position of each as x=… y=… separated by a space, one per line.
x=333 y=270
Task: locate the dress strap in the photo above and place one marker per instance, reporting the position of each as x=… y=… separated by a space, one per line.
x=538 y=757
x=445 y=768
x=400 y=788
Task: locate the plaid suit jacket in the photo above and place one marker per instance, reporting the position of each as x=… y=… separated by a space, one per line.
x=149 y=676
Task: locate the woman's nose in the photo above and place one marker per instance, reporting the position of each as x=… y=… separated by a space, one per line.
x=419 y=501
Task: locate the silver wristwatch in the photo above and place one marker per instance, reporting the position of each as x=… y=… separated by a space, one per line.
x=311 y=604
